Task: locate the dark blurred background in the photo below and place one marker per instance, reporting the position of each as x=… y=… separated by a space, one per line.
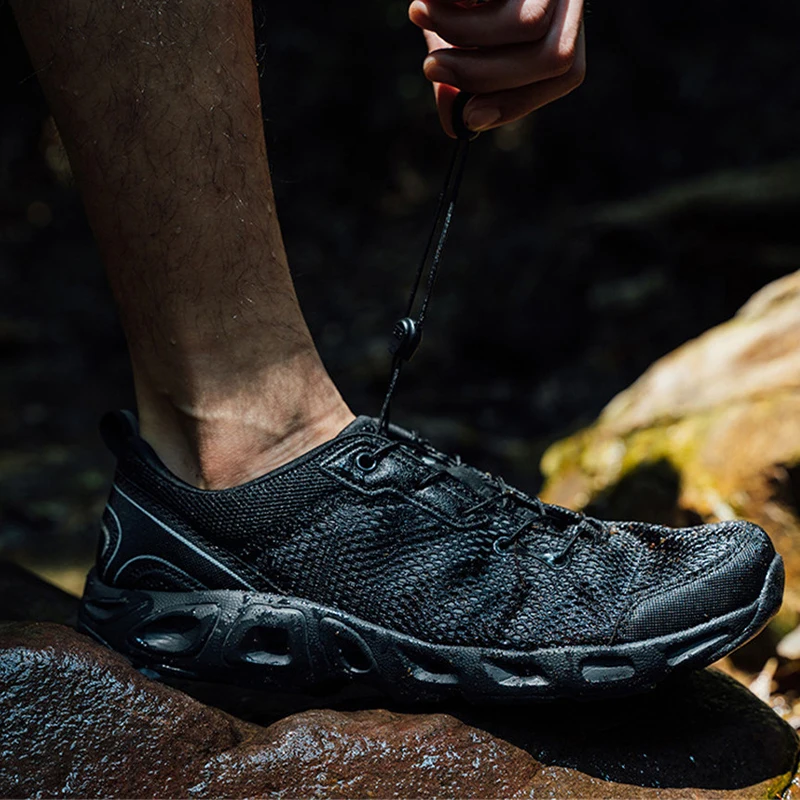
x=591 y=238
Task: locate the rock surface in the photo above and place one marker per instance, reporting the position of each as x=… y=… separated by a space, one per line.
x=711 y=431
x=79 y=721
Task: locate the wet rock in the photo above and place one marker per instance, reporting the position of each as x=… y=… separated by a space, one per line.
x=79 y=721
x=709 y=432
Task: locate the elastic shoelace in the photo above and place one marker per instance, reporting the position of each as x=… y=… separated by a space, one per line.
x=406 y=338
x=506 y=495
x=407 y=333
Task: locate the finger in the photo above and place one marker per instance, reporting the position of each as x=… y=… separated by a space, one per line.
x=445 y=99
x=496 y=69
x=434 y=41
x=493 y=110
x=509 y=22
x=499 y=108
x=445 y=95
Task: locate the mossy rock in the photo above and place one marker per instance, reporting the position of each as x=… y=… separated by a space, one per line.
x=710 y=432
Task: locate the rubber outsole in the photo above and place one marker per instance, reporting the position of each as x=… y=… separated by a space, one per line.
x=273 y=642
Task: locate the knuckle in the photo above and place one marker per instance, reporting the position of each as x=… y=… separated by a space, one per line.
x=534 y=19
x=578 y=75
x=563 y=57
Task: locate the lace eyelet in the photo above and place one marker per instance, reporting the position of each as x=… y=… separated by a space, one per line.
x=501 y=545
x=554 y=560
x=365 y=461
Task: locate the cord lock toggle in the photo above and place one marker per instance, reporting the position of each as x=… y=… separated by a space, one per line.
x=406 y=337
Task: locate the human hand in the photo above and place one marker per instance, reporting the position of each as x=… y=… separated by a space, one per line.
x=513 y=55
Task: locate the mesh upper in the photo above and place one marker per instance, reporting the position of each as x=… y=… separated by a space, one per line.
x=377 y=546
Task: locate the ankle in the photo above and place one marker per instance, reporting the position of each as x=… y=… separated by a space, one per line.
x=222 y=444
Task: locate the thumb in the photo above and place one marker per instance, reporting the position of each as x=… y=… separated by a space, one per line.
x=445 y=100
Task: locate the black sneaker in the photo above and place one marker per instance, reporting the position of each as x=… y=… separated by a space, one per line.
x=376 y=559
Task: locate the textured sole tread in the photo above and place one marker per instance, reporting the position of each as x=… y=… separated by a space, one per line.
x=269 y=642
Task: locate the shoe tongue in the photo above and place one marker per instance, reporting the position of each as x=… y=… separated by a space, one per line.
x=370 y=425
x=476 y=480
x=359 y=424
x=470 y=476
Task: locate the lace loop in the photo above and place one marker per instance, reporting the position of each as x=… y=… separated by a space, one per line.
x=505 y=496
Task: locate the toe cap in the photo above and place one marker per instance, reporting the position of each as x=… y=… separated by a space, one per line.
x=702 y=591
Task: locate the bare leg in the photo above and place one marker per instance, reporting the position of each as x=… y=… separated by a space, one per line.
x=157 y=102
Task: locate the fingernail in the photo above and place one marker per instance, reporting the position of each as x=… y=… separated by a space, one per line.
x=478 y=119
x=437 y=73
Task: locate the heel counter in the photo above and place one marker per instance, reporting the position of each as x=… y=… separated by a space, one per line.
x=134 y=552
x=108 y=540
x=149 y=548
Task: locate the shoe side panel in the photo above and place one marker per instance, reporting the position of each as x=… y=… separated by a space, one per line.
x=143 y=547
